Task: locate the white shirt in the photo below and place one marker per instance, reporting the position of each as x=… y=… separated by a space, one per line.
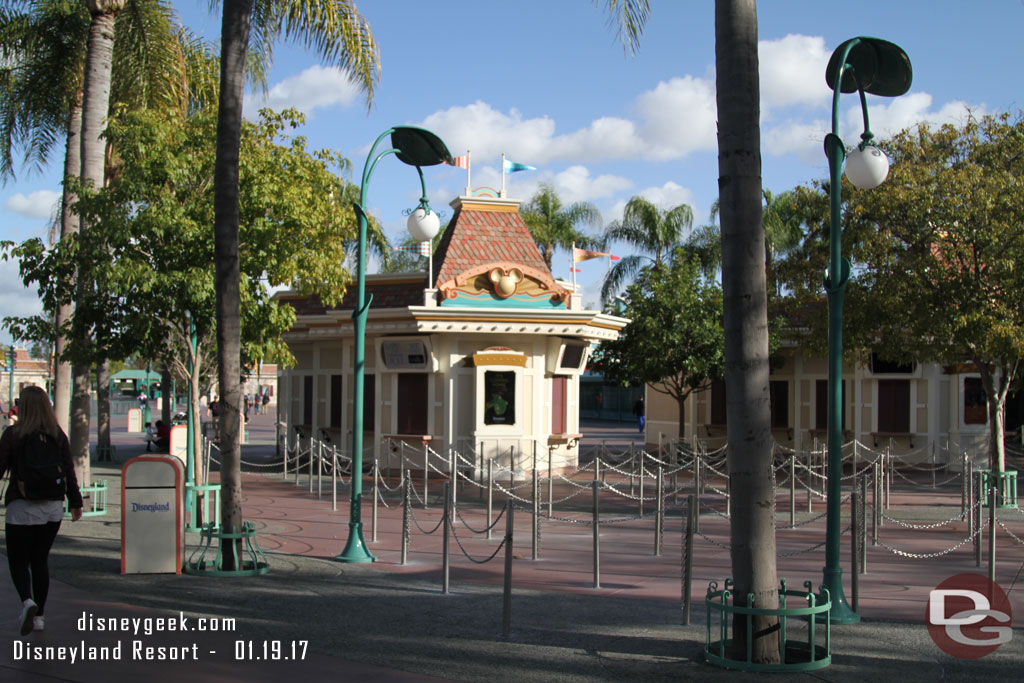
x=32 y=512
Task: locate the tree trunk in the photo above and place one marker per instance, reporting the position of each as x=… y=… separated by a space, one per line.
x=746 y=324
x=167 y=404
x=235 y=25
x=95 y=102
x=995 y=402
x=68 y=227
x=103 y=408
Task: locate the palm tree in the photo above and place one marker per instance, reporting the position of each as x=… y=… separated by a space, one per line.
x=752 y=526
x=746 y=319
x=553 y=225
x=655 y=232
x=45 y=45
x=339 y=34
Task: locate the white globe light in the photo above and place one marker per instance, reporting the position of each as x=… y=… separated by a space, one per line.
x=423 y=224
x=867 y=168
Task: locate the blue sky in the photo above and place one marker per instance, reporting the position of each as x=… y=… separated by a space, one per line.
x=547 y=83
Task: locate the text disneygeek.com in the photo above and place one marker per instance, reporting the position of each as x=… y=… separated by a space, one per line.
x=138 y=647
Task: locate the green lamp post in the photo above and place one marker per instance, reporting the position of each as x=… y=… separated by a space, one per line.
x=867 y=66
x=417 y=147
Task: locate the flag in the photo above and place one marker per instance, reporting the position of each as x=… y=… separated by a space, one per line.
x=613 y=258
x=421 y=248
x=461 y=162
x=512 y=166
x=584 y=255
x=575 y=270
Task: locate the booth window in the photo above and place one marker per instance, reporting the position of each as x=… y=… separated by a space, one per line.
x=718 y=403
x=821 y=404
x=779 y=390
x=335 y=401
x=559 y=401
x=975 y=409
x=894 y=405
x=412 y=403
x=572 y=357
x=499 y=397
x=307 y=400
x=404 y=354
x=369 y=402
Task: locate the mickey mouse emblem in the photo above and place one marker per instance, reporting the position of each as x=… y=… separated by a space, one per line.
x=506 y=281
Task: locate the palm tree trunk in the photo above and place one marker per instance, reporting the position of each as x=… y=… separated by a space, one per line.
x=746 y=323
x=103 y=407
x=235 y=25
x=68 y=227
x=95 y=102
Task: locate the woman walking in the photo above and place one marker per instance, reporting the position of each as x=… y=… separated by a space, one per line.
x=36 y=453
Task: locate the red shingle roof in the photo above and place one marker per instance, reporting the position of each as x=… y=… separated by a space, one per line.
x=478 y=235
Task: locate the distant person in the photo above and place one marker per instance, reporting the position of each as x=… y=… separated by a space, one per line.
x=638 y=413
x=37 y=453
x=163 y=437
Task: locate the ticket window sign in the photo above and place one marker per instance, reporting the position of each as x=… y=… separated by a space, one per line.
x=499 y=397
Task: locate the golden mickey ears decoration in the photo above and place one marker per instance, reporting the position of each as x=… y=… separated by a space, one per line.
x=506 y=281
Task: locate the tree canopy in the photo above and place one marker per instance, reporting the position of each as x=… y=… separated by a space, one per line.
x=674 y=342
x=938 y=253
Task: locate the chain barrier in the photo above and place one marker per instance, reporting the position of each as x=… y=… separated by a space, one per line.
x=925 y=485
x=417 y=523
x=1007 y=530
x=469 y=557
x=928 y=556
x=487 y=528
x=794 y=553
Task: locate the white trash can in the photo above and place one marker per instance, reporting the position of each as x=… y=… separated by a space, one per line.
x=152 y=515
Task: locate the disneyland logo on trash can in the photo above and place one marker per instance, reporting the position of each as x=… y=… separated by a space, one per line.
x=151 y=507
x=973 y=632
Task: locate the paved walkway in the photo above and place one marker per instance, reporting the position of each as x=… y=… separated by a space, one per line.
x=387 y=621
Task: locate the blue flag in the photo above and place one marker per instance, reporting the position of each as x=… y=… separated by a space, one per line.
x=512 y=167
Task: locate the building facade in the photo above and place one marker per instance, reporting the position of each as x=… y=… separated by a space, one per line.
x=482 y=354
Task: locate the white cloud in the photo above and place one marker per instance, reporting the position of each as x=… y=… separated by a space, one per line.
x=40 y=204
x=315 y=88
x=793 y=71
x=667 y=196
x=575 y=184
x=15 y=299
x=679 y=117
x=889 y=116
x=805 y=139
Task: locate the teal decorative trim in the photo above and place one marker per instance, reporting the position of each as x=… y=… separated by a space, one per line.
x=487 y=300
x=484 y=192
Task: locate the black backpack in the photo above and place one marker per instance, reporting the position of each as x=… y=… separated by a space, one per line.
x=39 y=470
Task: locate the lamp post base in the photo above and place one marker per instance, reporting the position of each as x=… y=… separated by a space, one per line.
x=841 y=613
x=355 y=551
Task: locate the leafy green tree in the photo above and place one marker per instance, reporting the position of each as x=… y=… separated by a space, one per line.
x=673 y=342
x=655 y=232
x=341 y=36
x=554 y=226
x=939 y=253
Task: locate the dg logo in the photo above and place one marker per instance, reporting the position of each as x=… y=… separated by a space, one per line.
x=969 y=616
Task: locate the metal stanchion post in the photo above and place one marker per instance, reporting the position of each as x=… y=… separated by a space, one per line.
x=551 y=482
x=659 y=515
x=536 y=514
x=376 y=496
x=854 y=534
x=792 y=490
x=691 y=527
x=406 y=502
x=490 y=495
x=506 y=602
x=453 y=473
x=876 y=486
x=863 y=521
x=978 y=538
x=426 y=473
x=320 y=473
x=993 y=503
x=445 y=560
x=597 y=534
x=641 y=496
x=334 y=478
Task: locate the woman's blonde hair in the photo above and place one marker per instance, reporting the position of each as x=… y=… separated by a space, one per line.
x=35 y=412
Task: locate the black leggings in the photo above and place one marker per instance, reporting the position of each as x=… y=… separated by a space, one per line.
x=28 y=545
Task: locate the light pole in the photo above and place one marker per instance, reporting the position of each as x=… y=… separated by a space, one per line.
x=876 y=67
x=417 y=147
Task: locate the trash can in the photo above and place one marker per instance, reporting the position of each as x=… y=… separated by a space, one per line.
x=152 y=515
